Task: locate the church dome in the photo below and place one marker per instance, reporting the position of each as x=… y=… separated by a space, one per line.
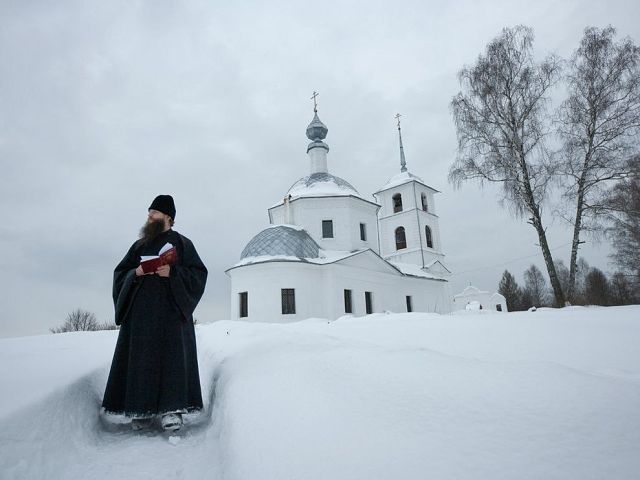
x=321 y=184
x=281 y=240
x=316 y=129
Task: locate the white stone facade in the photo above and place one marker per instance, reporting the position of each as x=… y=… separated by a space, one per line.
x=295 y=259
x=346 y=214
x=487 y=301
x=413 y=218
x=319 y=289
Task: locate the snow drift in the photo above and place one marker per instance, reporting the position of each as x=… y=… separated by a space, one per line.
x=547 y=394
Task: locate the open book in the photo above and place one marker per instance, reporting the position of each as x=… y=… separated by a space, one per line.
x=168 y=255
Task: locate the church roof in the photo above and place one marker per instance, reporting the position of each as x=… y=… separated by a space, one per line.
x=322 y=184
x=323 y=257
x=470 y=291
x=414 y=270
x=498 y=295
x=402 y=178
x=281 y=240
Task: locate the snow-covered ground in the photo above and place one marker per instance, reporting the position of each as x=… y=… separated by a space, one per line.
x=552 y=394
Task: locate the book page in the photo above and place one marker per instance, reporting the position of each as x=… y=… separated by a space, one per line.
x=167 y=246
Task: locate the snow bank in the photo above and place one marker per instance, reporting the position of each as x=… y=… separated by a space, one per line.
x=546 y=394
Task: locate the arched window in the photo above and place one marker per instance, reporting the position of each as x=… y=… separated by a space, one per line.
x=401 y=239
x=427 y=234
x=397 y=203
x=424 y=202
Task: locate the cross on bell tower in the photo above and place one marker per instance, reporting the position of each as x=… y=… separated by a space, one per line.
x=403 y=162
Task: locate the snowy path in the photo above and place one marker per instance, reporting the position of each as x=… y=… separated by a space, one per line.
x=64 y=437
x=413 y=396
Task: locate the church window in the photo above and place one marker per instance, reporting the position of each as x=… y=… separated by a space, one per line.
x=424 y=202
x=401 y=239
x=409 y=304
x=427 y=234
x=397 y=203
x=498 y=307
x=244 y=305
x=363 y=232
x=368 y=302
x=288 y=301
x=347 y=301
x=327 y=228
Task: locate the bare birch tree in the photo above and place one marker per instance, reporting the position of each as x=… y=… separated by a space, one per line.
x=499 y=122
x=78 y=320
x=598 y=124
x=623 y=210
x=622 y=292
x=535 y=286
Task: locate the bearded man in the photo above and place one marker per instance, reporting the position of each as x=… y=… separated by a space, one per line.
x=155 y=366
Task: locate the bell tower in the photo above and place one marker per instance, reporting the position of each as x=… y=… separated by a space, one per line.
x=407 y=220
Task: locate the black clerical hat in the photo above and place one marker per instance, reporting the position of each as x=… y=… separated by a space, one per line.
x=164 y=204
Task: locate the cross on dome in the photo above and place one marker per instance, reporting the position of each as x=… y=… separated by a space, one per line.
x=316 y=131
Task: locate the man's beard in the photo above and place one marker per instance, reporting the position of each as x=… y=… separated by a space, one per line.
x=151 y=230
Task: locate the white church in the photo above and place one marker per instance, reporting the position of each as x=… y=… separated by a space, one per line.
x=330 y=251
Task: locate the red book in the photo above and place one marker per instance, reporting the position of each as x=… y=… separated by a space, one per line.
x=168 y=256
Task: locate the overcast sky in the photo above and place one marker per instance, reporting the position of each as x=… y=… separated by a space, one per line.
x=104 y=105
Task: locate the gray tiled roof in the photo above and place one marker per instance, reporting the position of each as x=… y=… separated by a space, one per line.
x=281 y=240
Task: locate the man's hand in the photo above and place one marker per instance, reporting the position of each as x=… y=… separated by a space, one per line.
x=140 y=272
x=164 y=270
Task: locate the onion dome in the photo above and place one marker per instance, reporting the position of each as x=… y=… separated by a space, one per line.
x=316 y=132
x=316 y=129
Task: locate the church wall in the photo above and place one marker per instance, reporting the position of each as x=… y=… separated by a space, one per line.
x=264 y=282
x=487 y=300
x=388 y=227
x=366 y=213
x=431 y=206
x=389 y=292
x=346 y=213
x=319 y=291
x=385 y=199
x=498 y=299
x=435 y=253
x=429 y=218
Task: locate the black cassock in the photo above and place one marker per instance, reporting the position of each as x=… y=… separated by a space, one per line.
x=155 y=364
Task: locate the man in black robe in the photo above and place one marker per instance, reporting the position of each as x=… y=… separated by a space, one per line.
x=155 y=366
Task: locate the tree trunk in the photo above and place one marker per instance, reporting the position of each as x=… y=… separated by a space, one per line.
x=548 y=260
x=575 y=244
x=577 y=225
x=536 y=221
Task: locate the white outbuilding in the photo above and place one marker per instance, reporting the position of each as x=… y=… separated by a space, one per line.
x=330 y=252
x=472 y=298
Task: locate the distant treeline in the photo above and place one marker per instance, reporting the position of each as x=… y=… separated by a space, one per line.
x=593 y=287
x=80 y=320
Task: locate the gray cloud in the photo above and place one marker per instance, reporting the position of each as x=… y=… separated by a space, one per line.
x=103 y=105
